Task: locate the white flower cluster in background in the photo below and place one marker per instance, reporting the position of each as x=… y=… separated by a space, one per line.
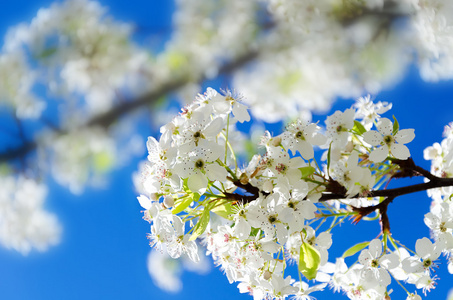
x=256 y=220
x=76 y=51
x=319 y=50
x=16 y=81
x=206 y=34
x=24 y=223
x=305 y=53
x=165 y=271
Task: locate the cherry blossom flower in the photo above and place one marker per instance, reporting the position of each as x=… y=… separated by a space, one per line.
x=302 y=136
x=427 y=253
x=388 y=141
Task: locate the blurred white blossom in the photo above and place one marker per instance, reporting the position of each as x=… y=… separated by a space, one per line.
x=24 y=223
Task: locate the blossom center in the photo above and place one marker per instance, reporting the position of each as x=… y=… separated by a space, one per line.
x=199 y=164
x=388 y=139
x=427 y=263
x=374 y=263
x=272 y=219
x=300 y=135
x=281 y=168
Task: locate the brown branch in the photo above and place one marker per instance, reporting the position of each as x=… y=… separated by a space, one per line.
x=382 y=207
x=108 y=118
x=436 y=183
x=253 y=192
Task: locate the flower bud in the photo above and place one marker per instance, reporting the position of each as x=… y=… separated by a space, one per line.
x=267 y=275
x=276 y=141
x=169 y=201
x=244 y=179
x=154 y=197
x=349 y=146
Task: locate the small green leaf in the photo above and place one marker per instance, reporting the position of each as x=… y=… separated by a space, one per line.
x=354 y=249
x=309 y=260
x=307 y=171
x=184 y=203
x=396 y=126
x=201 y=225
x=224 y=210
x=185 y=186
x=358 y=127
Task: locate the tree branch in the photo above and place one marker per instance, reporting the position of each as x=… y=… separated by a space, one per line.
x=436 y=183
x=108 y=118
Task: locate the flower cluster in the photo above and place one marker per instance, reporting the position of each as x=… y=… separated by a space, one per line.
x=440 y=218
x=24 y=223
x=80 y=50
x=343 y=48
x=256 y=220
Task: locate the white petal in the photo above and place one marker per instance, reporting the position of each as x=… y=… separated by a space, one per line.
x=152 y=145
x=385 y=126
x=242 y=229
x=222 y=107
x=365 y=257
x=424 y=247
x=305 y=149
x=412 y=265
x=184 y=168
x=389 y=261
x=240 y=112
x=213 y=128
x=372 y=137
x=405 y=136
x=375 y=247
x=324 y=240
x=144 y=201
x=178 y=225
x=379 y=154
x=353 y=160
x=216 y=172
x=191 y=249
x=400 y=151
x=197 y=182
x=317 y=139
x=212 y=151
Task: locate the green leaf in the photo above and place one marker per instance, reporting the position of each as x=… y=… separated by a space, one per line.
x=309 y=260
x=354 y=249
x=307 y=171
x=396 y=126
x=328 y=158
x=184 y=203
x=185 y=186
x=224 y=210
x=201 y=225
x=358 y=127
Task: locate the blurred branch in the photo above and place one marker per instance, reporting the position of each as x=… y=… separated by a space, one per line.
x=108 y=118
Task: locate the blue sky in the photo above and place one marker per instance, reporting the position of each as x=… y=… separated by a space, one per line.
x=103 y=250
